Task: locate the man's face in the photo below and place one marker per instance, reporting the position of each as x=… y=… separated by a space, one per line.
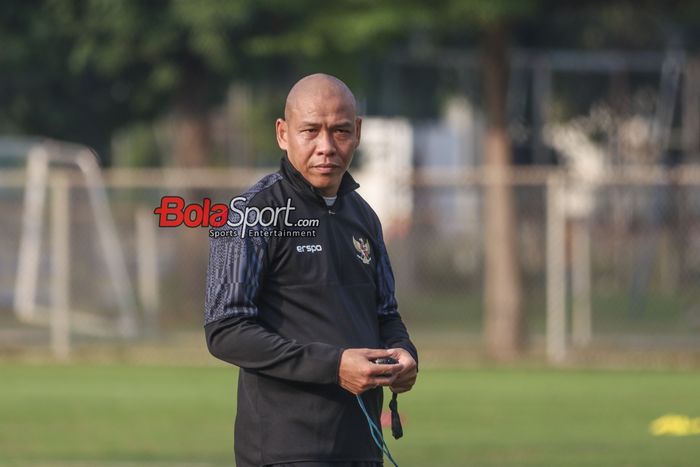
x=320 y=134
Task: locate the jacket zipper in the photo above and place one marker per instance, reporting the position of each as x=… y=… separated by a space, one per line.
x=336 y=266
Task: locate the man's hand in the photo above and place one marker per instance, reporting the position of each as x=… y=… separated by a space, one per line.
x=358 y=373
x=406 y=378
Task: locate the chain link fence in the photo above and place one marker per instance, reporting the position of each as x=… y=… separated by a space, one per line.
x=628 y=262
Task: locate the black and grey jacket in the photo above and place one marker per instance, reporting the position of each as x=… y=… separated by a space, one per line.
x=284 y=308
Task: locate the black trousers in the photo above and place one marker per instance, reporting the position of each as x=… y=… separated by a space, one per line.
x=330 y=464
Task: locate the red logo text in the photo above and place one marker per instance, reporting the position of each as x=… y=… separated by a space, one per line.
x=172 y=212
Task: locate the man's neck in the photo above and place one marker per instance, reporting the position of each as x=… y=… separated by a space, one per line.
x=328 y=193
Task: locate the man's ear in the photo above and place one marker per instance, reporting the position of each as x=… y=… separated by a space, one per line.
x=358 y=131
x=281 y=130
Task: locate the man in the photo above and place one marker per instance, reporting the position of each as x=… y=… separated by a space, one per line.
x=304 y=317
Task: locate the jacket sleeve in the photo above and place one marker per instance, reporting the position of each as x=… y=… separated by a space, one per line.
x=233 y=332
x=392 y=330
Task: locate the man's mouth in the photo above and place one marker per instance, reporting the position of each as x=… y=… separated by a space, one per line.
x=326 y=168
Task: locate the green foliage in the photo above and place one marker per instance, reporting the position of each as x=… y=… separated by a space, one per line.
x=169 y=37
x=82 y=69
x=486 y=14
x=315 y=29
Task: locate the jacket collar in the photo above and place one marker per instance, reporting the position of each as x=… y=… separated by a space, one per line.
x=347 y=183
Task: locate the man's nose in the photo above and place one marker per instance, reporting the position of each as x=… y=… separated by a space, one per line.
x=326 y=143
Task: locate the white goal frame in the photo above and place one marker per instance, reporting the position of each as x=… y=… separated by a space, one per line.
x=44 y=162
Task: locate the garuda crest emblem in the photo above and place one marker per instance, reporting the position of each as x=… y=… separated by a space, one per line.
x=363 y=250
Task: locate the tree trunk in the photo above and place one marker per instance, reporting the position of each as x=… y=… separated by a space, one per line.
x=192 y=139
x=191 y=148
x=504 y=318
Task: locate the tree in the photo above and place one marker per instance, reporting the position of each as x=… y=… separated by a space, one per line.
x=504 y=316
x=104 y=63
x=616 y=23
x=167 y=55
x=86 y=67
x=504 y=320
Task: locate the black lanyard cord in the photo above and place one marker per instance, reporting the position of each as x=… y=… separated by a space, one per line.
x=396 y=428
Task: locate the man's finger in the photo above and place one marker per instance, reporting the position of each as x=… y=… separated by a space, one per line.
x=377 y=353
x=384 y=380
x=382 y=369
x=408 y=373
x=406 y=376
x=396 y=353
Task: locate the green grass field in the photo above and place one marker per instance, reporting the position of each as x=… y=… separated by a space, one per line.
x=82 y=415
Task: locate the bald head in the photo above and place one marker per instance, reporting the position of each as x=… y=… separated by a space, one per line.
x=318 y=86
x=320 y=130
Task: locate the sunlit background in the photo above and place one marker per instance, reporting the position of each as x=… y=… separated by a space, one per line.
x=535 y=165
